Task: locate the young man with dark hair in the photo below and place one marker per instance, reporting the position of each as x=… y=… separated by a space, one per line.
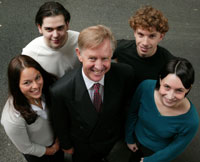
x=55 y=50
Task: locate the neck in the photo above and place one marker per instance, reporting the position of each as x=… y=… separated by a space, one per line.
x=36 y=101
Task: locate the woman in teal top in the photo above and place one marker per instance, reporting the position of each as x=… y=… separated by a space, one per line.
x=162 y=121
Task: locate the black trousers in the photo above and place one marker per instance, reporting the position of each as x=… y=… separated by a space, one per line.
x=57 y=157
x=141 y=152
x=84 y=153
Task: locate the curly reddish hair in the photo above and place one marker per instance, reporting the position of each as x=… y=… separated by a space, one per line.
x=149 y=18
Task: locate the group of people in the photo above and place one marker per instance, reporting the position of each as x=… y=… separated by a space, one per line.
x=80 y=93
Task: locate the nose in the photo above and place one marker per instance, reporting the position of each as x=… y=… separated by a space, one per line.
x=170 y=95
x=55 y=33
x=145 y=41
x=98 y=65
x=35 y=85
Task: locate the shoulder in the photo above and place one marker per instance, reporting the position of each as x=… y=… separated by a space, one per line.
x=164 y=53
x=121 y=72
x=72 y=39
x=10 y=116
x=194 y=115
x=148 y=84
x=123 y=43
x=124 y=48
x=36 y=41
x=73 y=34
x=33 y=46
x=66 y=82
x=121 y=68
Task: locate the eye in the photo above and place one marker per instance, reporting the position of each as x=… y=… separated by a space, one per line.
x=26 y=83
x=166 y=87
x=38 y=77
x=105 y=58
x=60 y=28
x=49 y=29
x=179 y=90
x=92 y=58
x=152 y=36
x=140 y=35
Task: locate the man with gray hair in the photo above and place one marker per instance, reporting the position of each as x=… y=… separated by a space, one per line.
x=89 y=104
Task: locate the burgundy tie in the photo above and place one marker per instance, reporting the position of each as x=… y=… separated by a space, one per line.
x=97 y=97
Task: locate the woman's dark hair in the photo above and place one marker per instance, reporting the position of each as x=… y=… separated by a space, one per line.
x=20 y=102
x=51 y=9
x=182 y=68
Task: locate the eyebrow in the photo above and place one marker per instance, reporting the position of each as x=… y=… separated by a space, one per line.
x=55 y=27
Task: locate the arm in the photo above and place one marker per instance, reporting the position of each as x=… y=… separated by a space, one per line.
x=116 y=53
x=177 y=146
x=133 y=115
x=19 y=136
x=53 y=149
x=61 y=123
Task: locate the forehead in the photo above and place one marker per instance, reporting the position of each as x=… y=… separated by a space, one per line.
x=147 y=31
x=53 y=21
x=173 y=81
x=102 y=50
x=28 y=73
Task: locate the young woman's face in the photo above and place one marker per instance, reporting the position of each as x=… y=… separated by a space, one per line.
x=31 y=83
x=171 y=90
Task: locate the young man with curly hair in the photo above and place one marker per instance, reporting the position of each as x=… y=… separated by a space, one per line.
x=143 y=53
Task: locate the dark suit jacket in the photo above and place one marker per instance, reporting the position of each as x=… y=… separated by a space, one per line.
x=74 y=116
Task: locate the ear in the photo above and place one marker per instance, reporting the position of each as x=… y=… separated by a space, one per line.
x=134 y=33
x=160 y=80
x=162 y=36
x=67 y=25
x=78 y=53
x=39 y=28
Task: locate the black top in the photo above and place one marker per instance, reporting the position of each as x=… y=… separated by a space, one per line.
x=145 y=68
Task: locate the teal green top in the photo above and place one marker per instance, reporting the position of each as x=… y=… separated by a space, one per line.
x=167 y=136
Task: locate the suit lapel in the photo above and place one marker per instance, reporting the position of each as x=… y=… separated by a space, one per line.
x=111 y=89
x=84 y=104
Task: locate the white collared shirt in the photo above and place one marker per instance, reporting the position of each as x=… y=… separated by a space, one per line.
x=89 y=85
x=40 y=112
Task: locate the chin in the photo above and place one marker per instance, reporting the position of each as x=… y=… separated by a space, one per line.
x=96 y=79
x=169 y=104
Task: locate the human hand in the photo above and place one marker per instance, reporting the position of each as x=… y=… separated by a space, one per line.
x=141 y=159
x=69 y=151
x=132 y=147
x=56 y=145
x=53 y=149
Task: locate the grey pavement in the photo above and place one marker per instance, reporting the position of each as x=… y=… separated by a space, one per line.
x=17 y=28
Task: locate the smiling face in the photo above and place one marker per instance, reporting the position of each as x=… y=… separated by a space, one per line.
x=31 y=83
x=96 y=61
x=54 y=29
x=147 y=41
x=171 y=91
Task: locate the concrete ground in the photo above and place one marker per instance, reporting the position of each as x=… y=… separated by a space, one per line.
x=183 y=39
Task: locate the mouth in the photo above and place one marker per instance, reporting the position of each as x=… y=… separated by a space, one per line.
x=98 y=72
x=144 y=49
x=57 y=41
x=169 y=101
x=36 y=92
